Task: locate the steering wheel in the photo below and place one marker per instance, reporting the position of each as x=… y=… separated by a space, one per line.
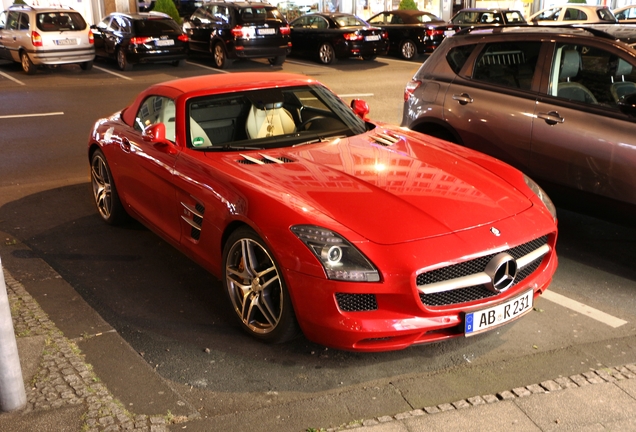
x=309 y=120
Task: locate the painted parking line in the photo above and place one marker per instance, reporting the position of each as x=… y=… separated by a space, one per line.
x=208 y=67
x=583 y=309
x=32 y=115
x=113 y=73
x=7 y=76
x=307 y=64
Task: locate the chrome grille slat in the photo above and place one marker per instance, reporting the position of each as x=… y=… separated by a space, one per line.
x=529 y=254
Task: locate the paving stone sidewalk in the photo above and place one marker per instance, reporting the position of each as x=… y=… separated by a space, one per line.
x=65 y=379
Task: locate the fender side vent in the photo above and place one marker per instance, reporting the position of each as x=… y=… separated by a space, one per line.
x=193 y=216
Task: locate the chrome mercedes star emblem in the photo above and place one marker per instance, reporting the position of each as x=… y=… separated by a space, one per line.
x=495 y=231
x=502 y=270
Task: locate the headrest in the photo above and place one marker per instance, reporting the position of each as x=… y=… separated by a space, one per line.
x=570 y=64
x=623 y=68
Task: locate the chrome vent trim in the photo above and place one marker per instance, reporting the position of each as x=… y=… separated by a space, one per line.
x=386 y=139
x=193 y=216
x=265 y=159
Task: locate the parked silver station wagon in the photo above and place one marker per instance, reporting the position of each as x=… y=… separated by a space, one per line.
x=557 y=103
x=36 y=36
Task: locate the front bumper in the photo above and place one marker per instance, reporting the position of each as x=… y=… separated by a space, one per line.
x=391 y=314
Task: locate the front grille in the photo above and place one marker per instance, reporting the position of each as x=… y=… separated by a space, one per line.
x=356 y=302
x=471 y=267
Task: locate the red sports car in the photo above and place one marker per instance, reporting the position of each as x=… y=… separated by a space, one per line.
x=362 y=235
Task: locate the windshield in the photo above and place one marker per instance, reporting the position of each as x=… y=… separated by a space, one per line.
x=276 y=117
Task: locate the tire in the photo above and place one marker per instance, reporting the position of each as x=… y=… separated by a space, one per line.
x=27 y=65
x=177 y=63
x=277 y=61
x=105 y=193
x=122 y=62
x=369 y=57
x=256 y=289
x=87 y=65
x=219 y=57
x=408 y=50
x=326 y=54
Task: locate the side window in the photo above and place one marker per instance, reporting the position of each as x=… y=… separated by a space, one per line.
x=380 y=19
x=301 y=22
x=103 y=25
x=590 y=75
x=13 y=20
x=3 y=19
x=457 y=57
x=550 y=15
x=509 y=64
x=24 y=22
x=157 y=109
x=514 y=17
x=574 y=15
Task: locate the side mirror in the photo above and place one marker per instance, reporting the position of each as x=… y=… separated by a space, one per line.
x=155 y=133
x=627 y=104
x=360 y=108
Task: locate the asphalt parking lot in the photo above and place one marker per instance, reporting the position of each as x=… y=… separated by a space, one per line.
x=173 y=314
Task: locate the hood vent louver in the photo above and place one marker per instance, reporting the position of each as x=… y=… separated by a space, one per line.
x=264 y=159
x=386 y=139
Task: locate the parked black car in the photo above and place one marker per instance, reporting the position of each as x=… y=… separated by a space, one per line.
x=475 y=17
x=236 y=30
x=330 y=36
x=411 y=32
x=145 y=37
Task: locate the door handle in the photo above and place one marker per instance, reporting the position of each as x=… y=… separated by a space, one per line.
x=125 y=145
x=463 y=98
x=551 y=117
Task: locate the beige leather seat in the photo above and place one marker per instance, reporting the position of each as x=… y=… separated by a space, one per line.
x=270 y=120
x=167 y=117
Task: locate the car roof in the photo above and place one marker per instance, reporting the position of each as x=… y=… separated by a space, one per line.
x=38 y=9
x=623 y=32
x=242 y=80
x=143 y=15
x=487 y=10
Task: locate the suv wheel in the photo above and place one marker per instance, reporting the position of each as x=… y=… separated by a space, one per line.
x=408 y=51
x=326 y=54
x=219 y=57
x=369 y=58
x=277 y=61
x=87 y=65
x=27 y=65
x=122 y=61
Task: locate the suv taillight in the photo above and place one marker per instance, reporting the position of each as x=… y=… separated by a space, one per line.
x=36 y=39
x=140 y=40
x=91 y=38
x=285 y=30
x=183 y=37
x=411 y=86
x=353 y=36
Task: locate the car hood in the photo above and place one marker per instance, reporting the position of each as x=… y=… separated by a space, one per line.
x=389 y=188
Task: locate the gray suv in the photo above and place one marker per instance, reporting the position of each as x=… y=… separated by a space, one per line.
x=557 y=103
x=45 y=36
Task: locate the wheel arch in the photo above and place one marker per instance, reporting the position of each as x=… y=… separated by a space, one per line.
x=438 y=129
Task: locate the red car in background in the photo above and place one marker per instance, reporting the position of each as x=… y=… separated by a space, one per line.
x=362 y=235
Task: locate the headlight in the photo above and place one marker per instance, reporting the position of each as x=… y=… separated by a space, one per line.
x=545 y=199
x=340 y=259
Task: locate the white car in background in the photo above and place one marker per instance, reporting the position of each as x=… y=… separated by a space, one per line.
x=573 y=14
x=626 y=14
x=34 y=36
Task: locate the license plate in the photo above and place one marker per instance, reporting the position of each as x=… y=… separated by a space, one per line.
x=449 y=32
x=266 y=31
x=372 y=38
x=66 y=42
x=486 y=319
x=164 y=42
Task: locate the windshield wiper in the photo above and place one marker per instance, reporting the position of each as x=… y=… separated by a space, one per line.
x=319 y=140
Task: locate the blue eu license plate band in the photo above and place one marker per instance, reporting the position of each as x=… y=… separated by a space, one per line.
x=487 y=319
